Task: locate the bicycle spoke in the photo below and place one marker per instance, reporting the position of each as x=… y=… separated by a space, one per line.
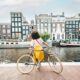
x=55 y=63
x=25 y=64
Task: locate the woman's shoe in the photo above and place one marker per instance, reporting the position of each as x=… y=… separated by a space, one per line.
x=38 y=65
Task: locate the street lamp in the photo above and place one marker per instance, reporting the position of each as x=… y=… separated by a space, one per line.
x=78 y=35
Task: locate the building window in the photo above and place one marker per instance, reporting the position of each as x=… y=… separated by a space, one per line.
x=13 y=35
x=63 y=25
x=41 y=30
x=58 y=36
x=23 y=27
x=8 y=31
x=53 y=36
x=24 y=32
x=67 y=26
x=53 y=29
x=41 y=25
x=37 y=21
x=3 y=26
x=67 y=22
x=70 y=26
x=15 y=19
x=19 y=29
x=19 y=19
x=12 y=19
x=42 y=21
x=74 y=26
x=73 y=22
x=76 y=22
x=62 y=29
x=45 y=30
x=62 y=36
x=16 y=15
x=19 y=14
x=19 y=24
x=4 y=31
x=26 y=27
x=4 y=37
x=16 y=29
x=49 y=25
x=12 y=29
x=58 y=25
x=37 y=25
x=16 y=24
x=20 y=35
x=12 y=24
x=46 y=24
x=53 y=25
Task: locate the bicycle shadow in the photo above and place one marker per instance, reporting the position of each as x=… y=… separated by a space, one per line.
x=44 y=74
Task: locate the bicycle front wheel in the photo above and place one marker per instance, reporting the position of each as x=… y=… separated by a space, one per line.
x=25 y=64
x=55 y=63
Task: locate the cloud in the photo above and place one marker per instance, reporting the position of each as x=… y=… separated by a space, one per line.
x=23 y=2
x=77 y=1
x=26 y=6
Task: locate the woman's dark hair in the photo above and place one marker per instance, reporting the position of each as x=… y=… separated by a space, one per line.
x=35 y=35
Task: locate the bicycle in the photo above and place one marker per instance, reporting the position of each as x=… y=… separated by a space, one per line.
x=25 y=64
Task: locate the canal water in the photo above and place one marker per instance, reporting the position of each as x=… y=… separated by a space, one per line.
x=66 y=54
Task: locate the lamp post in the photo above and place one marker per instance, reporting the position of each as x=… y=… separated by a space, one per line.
x=78 y=35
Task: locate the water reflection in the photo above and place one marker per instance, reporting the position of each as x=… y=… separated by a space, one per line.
x=68 y=54
x=11 y=55
x=65 y=54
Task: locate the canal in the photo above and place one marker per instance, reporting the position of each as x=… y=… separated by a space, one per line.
x=66 y=54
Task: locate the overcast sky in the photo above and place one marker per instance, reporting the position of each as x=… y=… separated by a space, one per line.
x=31 y=7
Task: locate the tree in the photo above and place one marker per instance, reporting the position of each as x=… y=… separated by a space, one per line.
x=45 y=36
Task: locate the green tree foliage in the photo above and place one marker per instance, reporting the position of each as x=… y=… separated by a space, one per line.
x=45 y=36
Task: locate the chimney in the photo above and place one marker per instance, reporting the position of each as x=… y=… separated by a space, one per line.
x=62 y=13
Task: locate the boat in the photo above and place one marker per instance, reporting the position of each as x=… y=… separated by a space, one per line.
x=69 y=45
x=7 y=45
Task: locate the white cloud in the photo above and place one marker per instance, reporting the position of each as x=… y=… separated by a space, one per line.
x=77 y=0
x=25 y=6
x=23 y=2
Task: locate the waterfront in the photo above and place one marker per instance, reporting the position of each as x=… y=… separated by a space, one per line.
x=70 y=54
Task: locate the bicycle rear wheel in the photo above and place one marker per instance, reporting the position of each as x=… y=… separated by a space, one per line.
x=55 y=63
x=25 y=64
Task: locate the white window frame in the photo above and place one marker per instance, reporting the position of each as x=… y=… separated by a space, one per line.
x=4 y=31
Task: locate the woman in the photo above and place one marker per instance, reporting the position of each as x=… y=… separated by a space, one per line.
x=38 y=44
x=36 y=39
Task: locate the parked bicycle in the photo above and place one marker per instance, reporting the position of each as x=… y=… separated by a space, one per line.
x=25 y=64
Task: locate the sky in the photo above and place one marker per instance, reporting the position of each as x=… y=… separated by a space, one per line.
x=30 y=8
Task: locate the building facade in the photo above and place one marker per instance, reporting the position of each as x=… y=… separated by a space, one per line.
x=25 y=30
x=18 y=25
x=72 y=28
x=53 y=24
x=5 y=31
x=43 y=23
x=58 y=27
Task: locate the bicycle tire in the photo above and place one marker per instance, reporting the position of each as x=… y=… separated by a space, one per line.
x=55 y=63
x=25 y=64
